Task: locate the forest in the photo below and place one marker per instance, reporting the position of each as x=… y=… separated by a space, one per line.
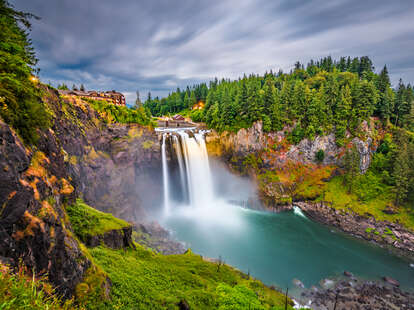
x=325 y=96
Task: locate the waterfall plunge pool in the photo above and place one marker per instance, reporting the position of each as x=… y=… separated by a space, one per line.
x=275 y=248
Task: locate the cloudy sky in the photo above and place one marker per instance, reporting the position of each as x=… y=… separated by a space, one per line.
x=158 y=45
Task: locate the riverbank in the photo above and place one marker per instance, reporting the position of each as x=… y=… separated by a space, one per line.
x=352 y=293
x=392 y=236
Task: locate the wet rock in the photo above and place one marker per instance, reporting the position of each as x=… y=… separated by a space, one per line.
x=365 y=295
x=391 y=281
x=298 y=283
x=348 y=274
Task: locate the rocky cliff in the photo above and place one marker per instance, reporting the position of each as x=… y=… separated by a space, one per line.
x=254 y=140
x=80 y=155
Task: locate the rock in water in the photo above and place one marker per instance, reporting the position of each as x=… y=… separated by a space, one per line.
x=298 y=283
x=391 y=281
x=347 y=274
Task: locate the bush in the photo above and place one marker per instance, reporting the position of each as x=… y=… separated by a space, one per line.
x=320 y=156
x=197 y=115
x=296 y=135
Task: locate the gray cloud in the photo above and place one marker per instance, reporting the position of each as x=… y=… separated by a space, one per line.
x=159 y=45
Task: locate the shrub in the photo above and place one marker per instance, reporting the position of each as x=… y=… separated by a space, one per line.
x=320 y=156
x=197 y=115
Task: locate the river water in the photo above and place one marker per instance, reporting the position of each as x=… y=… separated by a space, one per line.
x=275 y=248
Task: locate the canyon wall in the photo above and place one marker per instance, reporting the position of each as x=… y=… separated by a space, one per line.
x=115 y=168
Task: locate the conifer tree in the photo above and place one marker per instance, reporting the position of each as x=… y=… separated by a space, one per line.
x=342 y=114
x=351 y=166
x=401 y=174
x=193 y=99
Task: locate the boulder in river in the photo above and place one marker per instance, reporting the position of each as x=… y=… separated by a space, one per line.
x=348 y=274
x=391 y=281
x=298 y=283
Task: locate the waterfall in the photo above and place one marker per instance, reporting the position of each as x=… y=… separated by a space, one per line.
x=195 y=179
x=200 y=185
x=165 y=176
x=181 y=166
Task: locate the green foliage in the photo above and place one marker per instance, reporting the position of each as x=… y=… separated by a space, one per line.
x=296 y=135
x=142 y=279
x=197 y=115
x=18 y=292
x=320 y=156
x=87 y=221
x=237 y=297
x=20 y=102
x=121 y=114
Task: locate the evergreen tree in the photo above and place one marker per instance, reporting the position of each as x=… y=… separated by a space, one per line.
x=342 y=114
x=276 y=116
x=269 y=97
x=193 y=99
x=138 y=103
x=351 y=167
x=401 y=174
x=82 y=87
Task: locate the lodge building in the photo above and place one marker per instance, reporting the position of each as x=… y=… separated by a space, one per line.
x=117 y=98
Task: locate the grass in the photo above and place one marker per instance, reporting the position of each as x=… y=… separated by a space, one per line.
x=142 y=279
x=19 y=291
x=86 y=220
x=336 y=193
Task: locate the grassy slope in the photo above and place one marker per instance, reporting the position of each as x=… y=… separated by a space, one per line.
x=341 y=199
x=86 y=220
x=144 y=280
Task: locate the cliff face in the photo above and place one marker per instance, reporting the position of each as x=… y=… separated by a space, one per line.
x=80 y=155
x=254 y=140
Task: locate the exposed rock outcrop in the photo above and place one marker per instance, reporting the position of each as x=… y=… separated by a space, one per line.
x=358 y=294
x=79 y=155
x=115 y=239
x=254 y=140
x=32 y=219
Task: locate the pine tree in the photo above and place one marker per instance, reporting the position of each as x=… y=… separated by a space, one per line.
x=193 y=99
x=187 y=102
x=364 y=100
x=351 y=167
x=276 y=116
x=342 y=114
x=269 y=97
x=82 y=87
x=298 y=101
x=401 y=175
x=74 y=87
x=138 y=103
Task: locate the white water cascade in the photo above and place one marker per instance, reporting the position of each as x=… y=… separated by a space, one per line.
x=165 y=176
x=195 y=179
x=181 y=165
x=188 y=181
